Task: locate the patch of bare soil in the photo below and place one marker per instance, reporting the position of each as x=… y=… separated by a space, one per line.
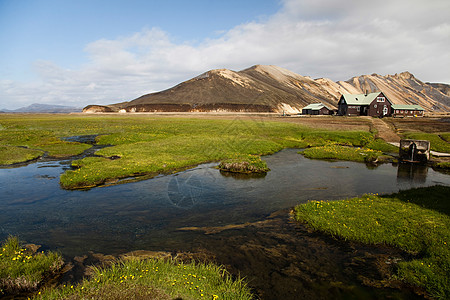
x=428 y=125
x=318 y=122
x=384 y=131
x=330 y=122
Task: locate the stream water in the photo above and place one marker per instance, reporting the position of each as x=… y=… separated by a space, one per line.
x=185 y=212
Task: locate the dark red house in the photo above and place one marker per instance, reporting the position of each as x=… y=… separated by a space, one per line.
x=373 y=104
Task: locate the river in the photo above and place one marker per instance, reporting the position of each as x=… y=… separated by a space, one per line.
x=185 y=212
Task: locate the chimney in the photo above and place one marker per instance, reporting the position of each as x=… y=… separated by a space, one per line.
x=365 y=94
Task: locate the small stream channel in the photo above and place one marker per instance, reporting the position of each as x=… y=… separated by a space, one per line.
x=185 y=212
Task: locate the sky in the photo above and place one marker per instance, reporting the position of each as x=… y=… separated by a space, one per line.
x=82 y=52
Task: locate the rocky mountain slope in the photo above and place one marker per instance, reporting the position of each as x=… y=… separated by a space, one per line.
x=273 y=89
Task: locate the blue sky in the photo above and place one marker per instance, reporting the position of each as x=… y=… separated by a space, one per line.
x=97 y=51
x=58 y=30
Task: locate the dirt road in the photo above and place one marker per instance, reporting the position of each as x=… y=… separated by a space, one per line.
x=384 y=131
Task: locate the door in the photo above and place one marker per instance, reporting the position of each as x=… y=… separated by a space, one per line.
x=385 y=110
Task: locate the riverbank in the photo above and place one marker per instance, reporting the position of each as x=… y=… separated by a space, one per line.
x=25 y=272
x=307 y=262
x=143 y=146
x=415 y=221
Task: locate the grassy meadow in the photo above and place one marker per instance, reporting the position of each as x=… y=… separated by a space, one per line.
x=416 y=221
x=145 y=145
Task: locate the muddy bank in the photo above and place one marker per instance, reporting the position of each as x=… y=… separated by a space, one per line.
x=282 y=259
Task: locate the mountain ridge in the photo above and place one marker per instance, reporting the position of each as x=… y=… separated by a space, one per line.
x=271 y=88
x=44 y=108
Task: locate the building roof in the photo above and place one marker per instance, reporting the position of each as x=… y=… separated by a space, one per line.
x=316 y=106
x=360 y=99
x=407 y=107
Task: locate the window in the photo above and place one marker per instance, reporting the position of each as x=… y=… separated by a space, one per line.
x=357 y=108
x=380 y=99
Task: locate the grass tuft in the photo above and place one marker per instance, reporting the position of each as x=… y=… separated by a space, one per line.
x=22 y=270
x=244 y=164
x=154 y=279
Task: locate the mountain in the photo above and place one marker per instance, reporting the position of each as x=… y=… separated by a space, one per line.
x=273 y=89
x=403 y=88
x=44 y=108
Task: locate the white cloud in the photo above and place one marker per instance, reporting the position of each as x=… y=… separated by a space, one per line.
x=318 y=38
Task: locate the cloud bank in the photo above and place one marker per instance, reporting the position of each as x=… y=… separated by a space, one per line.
x=317 y=38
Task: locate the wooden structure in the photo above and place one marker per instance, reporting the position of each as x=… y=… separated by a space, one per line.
x=368 y=104
x=316 y=109
x=415 y=151
x=403 y=110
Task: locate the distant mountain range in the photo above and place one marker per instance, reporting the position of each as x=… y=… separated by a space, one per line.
x=43 y=108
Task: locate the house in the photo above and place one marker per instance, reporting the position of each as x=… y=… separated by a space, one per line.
x=368 y=104
x=403 y=110
x=316 y=109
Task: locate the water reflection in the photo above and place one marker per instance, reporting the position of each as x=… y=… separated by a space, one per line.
x=243 y=176
x=408 y=172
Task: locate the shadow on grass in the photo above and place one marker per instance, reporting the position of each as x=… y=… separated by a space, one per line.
x=435 y=197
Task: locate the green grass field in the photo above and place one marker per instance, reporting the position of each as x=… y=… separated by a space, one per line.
x=144 y=145
x=416 y=221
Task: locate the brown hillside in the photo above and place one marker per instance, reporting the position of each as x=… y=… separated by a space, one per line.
x=403 y=88
x=274 y=89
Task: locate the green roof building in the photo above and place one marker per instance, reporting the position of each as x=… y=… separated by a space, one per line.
x=369 y=104
x=406 y=110
x=316 y=109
